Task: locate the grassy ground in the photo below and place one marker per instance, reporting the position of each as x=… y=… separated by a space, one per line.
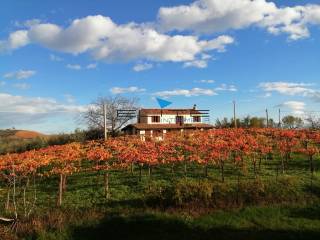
x=86 y=214
x=249 y=223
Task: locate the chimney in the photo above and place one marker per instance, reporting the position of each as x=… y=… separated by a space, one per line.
x=194 y=106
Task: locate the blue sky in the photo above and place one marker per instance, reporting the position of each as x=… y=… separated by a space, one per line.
x=56 y=57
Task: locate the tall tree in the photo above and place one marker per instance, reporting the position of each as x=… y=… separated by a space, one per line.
x=272 y=123
x=95 y=119
x=245 y=122
x=257 y=122
x=224 y=123
x=292 y=122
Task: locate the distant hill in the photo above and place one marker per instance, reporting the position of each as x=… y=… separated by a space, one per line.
x=19 y=134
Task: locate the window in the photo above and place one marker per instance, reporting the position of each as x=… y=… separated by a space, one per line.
x=155 y=119
x=196 y=119
x=179 y=119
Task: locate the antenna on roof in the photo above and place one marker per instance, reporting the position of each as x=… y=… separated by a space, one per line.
x=163 y=103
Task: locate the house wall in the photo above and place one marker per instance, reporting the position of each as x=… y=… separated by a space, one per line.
x=167 y=119
x=143 y=119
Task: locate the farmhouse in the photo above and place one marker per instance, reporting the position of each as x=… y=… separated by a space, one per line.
x=156 y=122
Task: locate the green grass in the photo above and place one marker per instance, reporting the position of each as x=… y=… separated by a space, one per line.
x=86 y=214
x=249 y=223
x=86 y=189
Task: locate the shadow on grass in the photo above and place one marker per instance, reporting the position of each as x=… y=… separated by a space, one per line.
x=130 y=203
x=153 y=227
x=312 y=213
x=313 y=189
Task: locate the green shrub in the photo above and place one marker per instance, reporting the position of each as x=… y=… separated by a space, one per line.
x=283 y=189
x=192 y=191
x=224 y=195
x=251 y=192
x=182 y=192
x=157 y=192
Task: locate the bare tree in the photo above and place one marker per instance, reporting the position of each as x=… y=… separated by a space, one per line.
x=94 y=115
x=313 y=122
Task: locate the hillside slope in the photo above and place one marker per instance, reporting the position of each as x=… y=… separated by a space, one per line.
x=19 y=134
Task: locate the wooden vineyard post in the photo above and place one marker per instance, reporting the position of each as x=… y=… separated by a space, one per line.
x=60 y=190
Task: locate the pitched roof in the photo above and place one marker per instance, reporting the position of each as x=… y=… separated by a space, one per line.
x=145 y=111
x=145 y=126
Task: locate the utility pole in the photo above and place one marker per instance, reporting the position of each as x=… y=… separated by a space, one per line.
x=105 y=121
x=279 y=118
x=267 y=115
x=234 y=114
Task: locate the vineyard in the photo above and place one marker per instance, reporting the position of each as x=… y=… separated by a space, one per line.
x=222 y=168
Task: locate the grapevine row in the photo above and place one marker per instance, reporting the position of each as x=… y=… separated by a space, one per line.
x=239 y=147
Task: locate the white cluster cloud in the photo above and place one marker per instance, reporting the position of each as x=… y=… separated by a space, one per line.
x=198 y=91
x=214 y=15
x=266 y=95
x=186 y=92
x=35 y=105
x=15 y=40
x=131 y=42
x=287 y=88
x=79 y=67
x=205 y=81
x=21 y=74
x=70 y=98
x=92 y=66
x=142 y=67
x=55 y=58
x=176 y=35
x=28 y=23
x=225 y=87
x=74 y=66
x=119 y=90
x=105 y=40
x=296 y=107
x=209 y=16
x=196 y=63
x=42 y=114
x=292 y=89
x=22 y=86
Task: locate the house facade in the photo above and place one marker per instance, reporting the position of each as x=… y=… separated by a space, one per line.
x=156 y=122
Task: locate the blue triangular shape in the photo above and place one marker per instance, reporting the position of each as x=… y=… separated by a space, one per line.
x=163 y=103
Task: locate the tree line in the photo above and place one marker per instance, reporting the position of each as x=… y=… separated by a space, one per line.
x=287 y=122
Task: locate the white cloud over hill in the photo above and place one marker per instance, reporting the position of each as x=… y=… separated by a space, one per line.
x=21 y=111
